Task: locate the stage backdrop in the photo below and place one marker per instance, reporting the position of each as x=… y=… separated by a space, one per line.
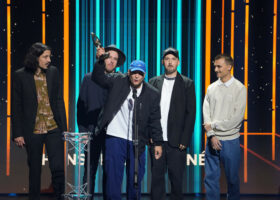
x=199 y=29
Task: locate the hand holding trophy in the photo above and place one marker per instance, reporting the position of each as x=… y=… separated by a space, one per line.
x=101 y=54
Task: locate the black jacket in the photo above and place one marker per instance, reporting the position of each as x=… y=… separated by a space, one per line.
x=148 y=107
x=182 y=109
x=24 y=102
x=91 y=100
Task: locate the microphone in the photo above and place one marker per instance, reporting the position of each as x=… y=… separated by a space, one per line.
x=130 y=104
x=134 y=93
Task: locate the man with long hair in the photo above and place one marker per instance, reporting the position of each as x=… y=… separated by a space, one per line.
x=38 y=117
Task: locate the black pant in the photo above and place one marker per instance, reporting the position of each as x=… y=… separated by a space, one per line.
x=55 y=150
x=97 y=145
x=174 y=161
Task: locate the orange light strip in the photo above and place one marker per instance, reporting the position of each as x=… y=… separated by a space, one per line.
x=261 y=134
x=223 y=27
x=44 y=21
x=274 y=78
x=246 y=47
x=44 y=37
x=262 y=158
x=232 y=32
x=208 y=44
x=8 y=87
x=207 y=49
x=66 y=58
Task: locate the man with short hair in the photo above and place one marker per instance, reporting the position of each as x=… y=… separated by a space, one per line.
x=91 y=100
x=38 y=117
x=223 y=112
x=177 y=120
x=118 y=121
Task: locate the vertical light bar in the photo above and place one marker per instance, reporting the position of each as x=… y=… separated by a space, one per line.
x=223 y=27
x=197 y=129
x=44 y=36
x=125 y=27
x=97 y=17
x=147 y=35
x=246 y=48
x=8 y=87
x=77 y=56
x=118 y=26
x=179 y=32
x=274 y=78
x=97 y=31
x=158 y=36
x=44 y=21
x=91 y=23
x=66 y=57
x=189 y=39
x=207 y=49
x=232 y=32
x=138 y=29
x=208 y=43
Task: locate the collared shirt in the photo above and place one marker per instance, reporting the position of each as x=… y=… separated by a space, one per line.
x=228 y=83
x=121 y=125
x=166 y=92
x=44 y=118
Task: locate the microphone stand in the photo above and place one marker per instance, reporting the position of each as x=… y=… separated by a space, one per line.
x=135 y=141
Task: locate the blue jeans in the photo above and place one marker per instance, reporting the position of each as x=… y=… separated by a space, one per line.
x=229 y=156
x=119 y=151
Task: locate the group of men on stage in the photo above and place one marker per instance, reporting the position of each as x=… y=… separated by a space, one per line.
x=125 y=114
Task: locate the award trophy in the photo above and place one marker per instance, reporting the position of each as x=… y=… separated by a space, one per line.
x=97 y=44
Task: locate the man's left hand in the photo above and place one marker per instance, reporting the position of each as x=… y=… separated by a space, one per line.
x=182 y=147
x=207 y=127
x=158 y=152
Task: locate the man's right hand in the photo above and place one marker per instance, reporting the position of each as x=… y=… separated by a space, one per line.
x=20 y=141
x=216 y=144
x=99 y=52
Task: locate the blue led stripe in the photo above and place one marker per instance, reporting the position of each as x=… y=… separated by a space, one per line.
x=147 y=36
x=158 y=36
x=86 y=66
x=163 y=33
x=97 y=17
x=138 y=25
x=82 y=40
x=97 y=189
x=112 y=31
x=77 y=74
x=90 y=41
x=118 y=27
x=125 y=35
x=179 y=32
x=189 y=41
x=77 y=57
x=198 y=89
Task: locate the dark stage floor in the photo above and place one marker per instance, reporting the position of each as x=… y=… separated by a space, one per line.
x=147 y=197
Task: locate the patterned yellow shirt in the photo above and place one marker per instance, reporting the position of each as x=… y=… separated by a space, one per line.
x=44 y=118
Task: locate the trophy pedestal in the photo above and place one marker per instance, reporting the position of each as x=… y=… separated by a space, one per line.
x=76 y=186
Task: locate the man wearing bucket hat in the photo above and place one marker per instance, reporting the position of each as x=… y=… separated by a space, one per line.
x=91 y=99
x=177 y=120
x=118 y=122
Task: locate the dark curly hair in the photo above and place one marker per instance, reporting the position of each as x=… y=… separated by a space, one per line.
x=31 y=59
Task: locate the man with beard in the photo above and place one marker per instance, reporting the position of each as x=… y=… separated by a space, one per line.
x=118 y=123
x=177 y=120
x=91 y=100
x=38 y=117
x=223 y=112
